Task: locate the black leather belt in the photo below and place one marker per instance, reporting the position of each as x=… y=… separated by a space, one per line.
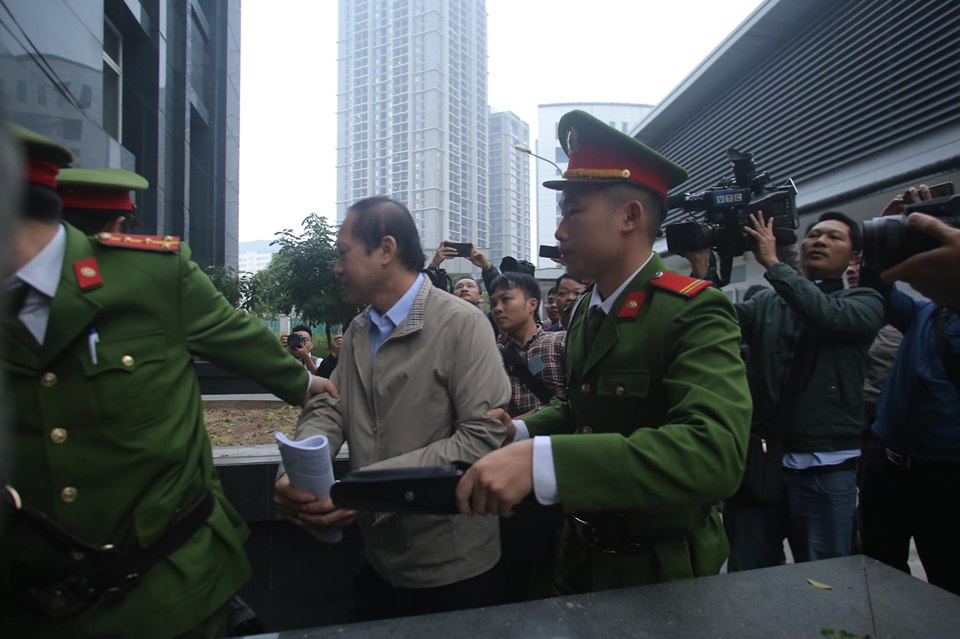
x=847 y=464
x=915 y=463
x=117 y=574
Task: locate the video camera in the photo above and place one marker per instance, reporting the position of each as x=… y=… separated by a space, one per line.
x=889 y=240
x=726 y=209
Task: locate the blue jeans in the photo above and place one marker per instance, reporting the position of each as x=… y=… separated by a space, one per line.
x=816 y=516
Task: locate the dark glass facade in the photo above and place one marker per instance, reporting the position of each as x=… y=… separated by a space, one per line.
x=147 y=85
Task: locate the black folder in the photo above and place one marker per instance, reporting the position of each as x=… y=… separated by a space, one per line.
x=423 y=491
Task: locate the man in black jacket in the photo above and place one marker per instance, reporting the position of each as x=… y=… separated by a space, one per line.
x=808 y=340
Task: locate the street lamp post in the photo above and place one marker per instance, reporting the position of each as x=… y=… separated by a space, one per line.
x=523 y=148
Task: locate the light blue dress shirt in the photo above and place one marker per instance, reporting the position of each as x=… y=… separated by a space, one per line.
x=382 y=326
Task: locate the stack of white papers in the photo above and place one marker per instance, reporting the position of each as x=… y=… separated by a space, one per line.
x=309 y=468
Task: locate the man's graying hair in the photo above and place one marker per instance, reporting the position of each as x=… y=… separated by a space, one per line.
x=377 y=217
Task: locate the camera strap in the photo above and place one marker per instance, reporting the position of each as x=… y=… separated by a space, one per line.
x=951 y=360
x=518 y=366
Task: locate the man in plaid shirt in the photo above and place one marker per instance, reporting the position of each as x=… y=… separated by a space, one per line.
x=532 y=357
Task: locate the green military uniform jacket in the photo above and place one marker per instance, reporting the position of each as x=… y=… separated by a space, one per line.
x=111 y=450
x=657 y=415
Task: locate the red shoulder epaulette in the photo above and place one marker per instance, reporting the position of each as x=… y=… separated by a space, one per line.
x=164 y=243
x=680 y=284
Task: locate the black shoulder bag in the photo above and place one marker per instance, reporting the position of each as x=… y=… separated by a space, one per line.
x=763 y=475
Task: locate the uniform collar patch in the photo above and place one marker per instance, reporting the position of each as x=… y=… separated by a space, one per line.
x=88 y=273
x=631 y=306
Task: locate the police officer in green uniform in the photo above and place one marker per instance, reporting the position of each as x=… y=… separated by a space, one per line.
x=116 y=523
x=98 y=200
x=651 y=432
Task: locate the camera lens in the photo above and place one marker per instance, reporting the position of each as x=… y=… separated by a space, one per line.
x=890 y=240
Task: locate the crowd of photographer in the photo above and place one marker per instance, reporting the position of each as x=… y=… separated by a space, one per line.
x=836 y=349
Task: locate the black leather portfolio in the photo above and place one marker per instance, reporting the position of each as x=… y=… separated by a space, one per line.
x=422 y=491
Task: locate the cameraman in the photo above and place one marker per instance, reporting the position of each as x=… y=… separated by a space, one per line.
x=808 y=340
x=300 y=343
x=911 y=470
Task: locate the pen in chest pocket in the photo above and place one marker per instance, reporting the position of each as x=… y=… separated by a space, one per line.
x=92 y=340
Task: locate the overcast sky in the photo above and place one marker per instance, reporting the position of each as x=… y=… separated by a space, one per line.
x=540 y=51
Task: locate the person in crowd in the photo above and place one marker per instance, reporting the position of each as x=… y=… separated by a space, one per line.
x=552 y=314
x=302 y=350
x=420 y=371
x=808 y=339
x=533 y=358
x=569 y=288
x=98 y=200
x=650 y=433
x=911 y=466
x=880 y=356
x=301 y=347
x=467 y=288
x=116 y=521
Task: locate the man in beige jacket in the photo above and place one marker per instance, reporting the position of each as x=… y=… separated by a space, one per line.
x=418 y=370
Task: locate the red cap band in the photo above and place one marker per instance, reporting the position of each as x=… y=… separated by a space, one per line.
x=103 y=199
x=601 y=158
x=42 y=173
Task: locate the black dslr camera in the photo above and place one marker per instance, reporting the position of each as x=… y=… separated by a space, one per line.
x=294 y=341
x=725 y=209
x=508 y=264
x=889 y=240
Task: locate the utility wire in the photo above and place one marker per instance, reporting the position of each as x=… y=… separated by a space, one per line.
x=42 y=63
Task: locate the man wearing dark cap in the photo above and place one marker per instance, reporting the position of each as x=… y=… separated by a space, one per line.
x=98 y=200
x=656 y=411
x=117 y=524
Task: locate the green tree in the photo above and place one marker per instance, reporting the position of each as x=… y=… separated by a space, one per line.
x=303 y=278
x=232 y=283
x=267 y=291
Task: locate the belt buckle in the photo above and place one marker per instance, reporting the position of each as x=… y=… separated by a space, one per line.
x=57 y=602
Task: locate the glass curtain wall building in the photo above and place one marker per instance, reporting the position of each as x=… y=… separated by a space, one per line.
x=509 y=188
x=412 y=112
x=147 y=85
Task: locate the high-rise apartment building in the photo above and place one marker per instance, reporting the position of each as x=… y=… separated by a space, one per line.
x=146 y=85
x=618 y=115
x=509 y=188
x=412 y=112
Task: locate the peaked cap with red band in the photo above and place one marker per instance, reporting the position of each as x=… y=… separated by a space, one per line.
x=44 y=157
x=600 y=154
x=99 y=189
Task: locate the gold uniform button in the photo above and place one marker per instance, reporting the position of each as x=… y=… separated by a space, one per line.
x=58 y=435
x=127 y=361
x=586 y=429
x=68 y=495
x=585 y=388
x=619 y=391
x=48 y=379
